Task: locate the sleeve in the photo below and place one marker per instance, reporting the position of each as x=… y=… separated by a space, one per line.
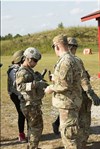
x=12 y=75
x=63 y=77
x=22 y=83
x=85 y=83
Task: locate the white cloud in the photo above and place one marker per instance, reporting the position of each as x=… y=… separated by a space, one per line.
x=41 y=15
x=7 y=17
x=37 y=16
x=94 y=10
x=22 y=30
x=15 y=18
x=50 y=14
x=44 y=25
x=76 y=11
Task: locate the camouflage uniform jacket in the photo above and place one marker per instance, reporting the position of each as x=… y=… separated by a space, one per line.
x=11 y=79
x=25 y=78
x=85 y=82
x=67 y=89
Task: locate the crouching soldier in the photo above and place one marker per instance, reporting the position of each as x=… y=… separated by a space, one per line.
x=32 y=91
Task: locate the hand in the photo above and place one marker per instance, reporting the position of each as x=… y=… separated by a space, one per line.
x=52 y=77
x=96 y=99
x=93 y=96
x=48 y=90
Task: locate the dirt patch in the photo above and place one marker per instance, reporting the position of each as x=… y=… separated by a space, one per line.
x=9 y=131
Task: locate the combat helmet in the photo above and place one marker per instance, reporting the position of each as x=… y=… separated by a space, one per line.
x=32 y=52
x=72 y=41
x=17 y=56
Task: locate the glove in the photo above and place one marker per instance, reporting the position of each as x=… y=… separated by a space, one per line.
x=38 y=76
x=40 y=86
x=93 y=97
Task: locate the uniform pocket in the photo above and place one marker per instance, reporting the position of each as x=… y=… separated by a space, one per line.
x=71 y=132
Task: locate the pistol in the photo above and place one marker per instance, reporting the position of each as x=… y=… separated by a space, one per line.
x=49 y=75
x=43 y=73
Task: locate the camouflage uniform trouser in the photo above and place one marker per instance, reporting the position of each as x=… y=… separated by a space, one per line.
x=84 y=120
x=54 y=114
x=33 y=115
x=69 y=128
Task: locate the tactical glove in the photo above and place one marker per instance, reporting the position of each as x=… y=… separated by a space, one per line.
x=38 y=76
x=93 y=96
x=40 y=86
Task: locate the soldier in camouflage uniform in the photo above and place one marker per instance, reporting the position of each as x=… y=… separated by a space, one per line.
x=85 y=110
x=88 y=97
x=32 y=92
x=67 y=93
x=17 y=59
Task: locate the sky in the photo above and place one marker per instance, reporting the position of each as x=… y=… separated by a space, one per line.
x=28 y=17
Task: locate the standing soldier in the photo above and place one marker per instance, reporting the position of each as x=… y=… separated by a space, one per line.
x=30 y=90
x=85 y=110
x=66 y=92
x=88 y=96
x=14 y=94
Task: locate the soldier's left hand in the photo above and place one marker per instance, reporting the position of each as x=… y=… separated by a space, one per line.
x=96 y=100
x=93 y=96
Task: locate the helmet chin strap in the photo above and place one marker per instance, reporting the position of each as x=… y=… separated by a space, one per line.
x=70 y=47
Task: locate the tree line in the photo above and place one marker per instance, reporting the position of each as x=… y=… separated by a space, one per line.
x=10 y=36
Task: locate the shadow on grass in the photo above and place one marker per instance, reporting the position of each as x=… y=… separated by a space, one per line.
x=92 y=145
x=59 y=147
x=14 y=141
x=8 y=139
x=11 y=142
x=50 y=136
x=45 y=137
x=95 y=145
x=95 y=130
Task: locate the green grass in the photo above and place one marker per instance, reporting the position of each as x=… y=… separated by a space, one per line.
x=9 y=129
x=86 y=37
x=91 y=62
x=48 y=61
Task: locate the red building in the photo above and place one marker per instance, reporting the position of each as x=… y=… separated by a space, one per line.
x=95 y=15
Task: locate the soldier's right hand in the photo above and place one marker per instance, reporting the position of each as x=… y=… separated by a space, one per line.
x=48 y=90
x=52 y=78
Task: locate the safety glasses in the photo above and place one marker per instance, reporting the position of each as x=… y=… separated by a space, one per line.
x=35 y=60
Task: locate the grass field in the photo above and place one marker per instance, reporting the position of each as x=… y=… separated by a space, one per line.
x=9 y=130
x=91 y=63
x=48 y=61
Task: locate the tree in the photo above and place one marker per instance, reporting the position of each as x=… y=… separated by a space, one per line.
x=17 y=35
x=60 y=25
x=9 y=36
